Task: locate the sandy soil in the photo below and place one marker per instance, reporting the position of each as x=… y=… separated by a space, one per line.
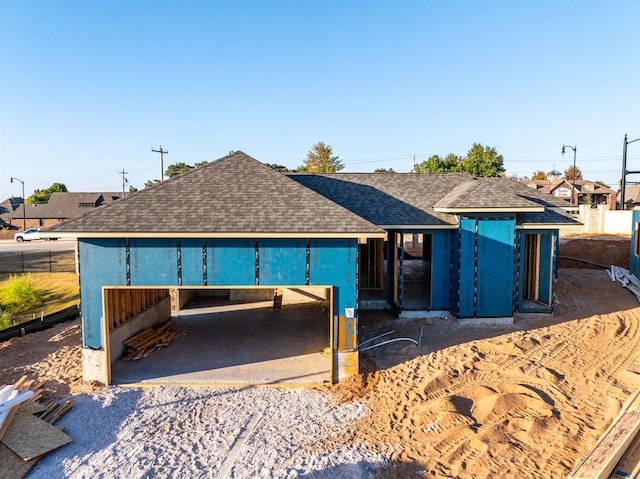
x=524 y=400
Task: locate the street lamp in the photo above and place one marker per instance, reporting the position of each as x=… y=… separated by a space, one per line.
x=573 y=182
x=625 y=172
x=24 y=206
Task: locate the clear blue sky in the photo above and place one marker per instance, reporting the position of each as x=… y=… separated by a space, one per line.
x=87 y=88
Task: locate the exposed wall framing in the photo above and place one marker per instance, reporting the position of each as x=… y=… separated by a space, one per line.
x=123 y=304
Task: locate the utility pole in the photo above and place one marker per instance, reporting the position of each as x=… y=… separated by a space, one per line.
x=124 y=179
x=414 y=164
x=162 y=153
x=625 y=172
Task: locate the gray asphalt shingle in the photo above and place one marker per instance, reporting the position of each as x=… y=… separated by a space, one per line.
x=235 y=194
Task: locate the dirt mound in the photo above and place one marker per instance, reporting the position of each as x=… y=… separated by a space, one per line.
x=604 y=251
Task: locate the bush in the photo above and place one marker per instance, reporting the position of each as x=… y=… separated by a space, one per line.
x=5 y=320
x=20 y=295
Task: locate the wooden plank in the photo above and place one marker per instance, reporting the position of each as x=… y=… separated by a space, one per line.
x=30 y=437
x=12 y=466
x=602 y=459
x=629 y=464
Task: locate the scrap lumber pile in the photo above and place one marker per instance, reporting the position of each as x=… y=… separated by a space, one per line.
x=626 y=279
x=27 y=432
x=615 y=453
x=148 y=340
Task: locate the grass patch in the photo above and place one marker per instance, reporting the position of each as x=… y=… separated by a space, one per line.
x=59 y=291
x=20 y=294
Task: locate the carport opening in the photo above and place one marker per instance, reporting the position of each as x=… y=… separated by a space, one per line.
x=234 y=336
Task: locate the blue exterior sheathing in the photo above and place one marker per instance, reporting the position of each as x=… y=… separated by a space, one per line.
x=335 y=262
x=486 y=273
x=440 y=269
x=456 y=240
x=192 y=262
x=282 y=261
x=466 y=293
x=495 y=269
x=101 y=262
x=231 y=262
x=634 y=259
x=154 y=262
x=545 y=267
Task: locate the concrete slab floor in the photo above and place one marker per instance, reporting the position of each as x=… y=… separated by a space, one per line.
x=242 y=343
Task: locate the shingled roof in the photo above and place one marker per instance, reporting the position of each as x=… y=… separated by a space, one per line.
x=486 y=194
x=233 y=196
x=399 y=199
x=65 y=205
x=428 y=200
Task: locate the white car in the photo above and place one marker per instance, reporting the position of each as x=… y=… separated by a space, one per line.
x=29 y=235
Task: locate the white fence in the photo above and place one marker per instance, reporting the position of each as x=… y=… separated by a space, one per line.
x=600 y=220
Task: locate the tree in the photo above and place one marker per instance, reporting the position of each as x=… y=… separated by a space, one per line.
x=602 y=183
x=277 y=167
x=42 y=196
x=384 y=170
x=177 y=169
x=480 y=161
x=483 y=161
x=539 y=175
x=435 y=164
x=320 y=159
x=571 y=174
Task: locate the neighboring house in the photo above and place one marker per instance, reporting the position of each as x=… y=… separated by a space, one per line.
x=9 y=205
x=61 y=206
x=487 y=247
x=631 y=197
x=586 y=192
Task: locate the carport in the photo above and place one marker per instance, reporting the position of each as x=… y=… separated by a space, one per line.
x=237 y=336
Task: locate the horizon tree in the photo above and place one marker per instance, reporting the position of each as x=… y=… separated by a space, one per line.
x=42 y=196
x=320 y=159
x=570 y=174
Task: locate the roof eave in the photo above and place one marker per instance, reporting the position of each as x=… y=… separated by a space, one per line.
x=454 y=210
x=207 y=235
x=545 y=226
x=451 y=226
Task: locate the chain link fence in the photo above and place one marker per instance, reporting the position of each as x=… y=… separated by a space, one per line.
x=38 y=262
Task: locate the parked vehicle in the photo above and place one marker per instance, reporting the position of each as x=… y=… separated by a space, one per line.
x=30 y=235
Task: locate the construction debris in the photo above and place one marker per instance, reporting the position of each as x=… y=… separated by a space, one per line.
x=150 y=339
x=26 y=427
x=626 y=279
x=601 y=461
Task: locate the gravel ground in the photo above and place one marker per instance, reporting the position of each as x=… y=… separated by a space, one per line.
x=178 y=432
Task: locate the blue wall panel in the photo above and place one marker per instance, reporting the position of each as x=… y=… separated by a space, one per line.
x=192 y=262
x=495 y=267
x=467 y=267
x=455 y=273
x=634 y=253
x=102 y=263
x=334 y=262
x=440 y=269
x=282 y=261
x=231 y=262
x=154 y=262
x=545 y=267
